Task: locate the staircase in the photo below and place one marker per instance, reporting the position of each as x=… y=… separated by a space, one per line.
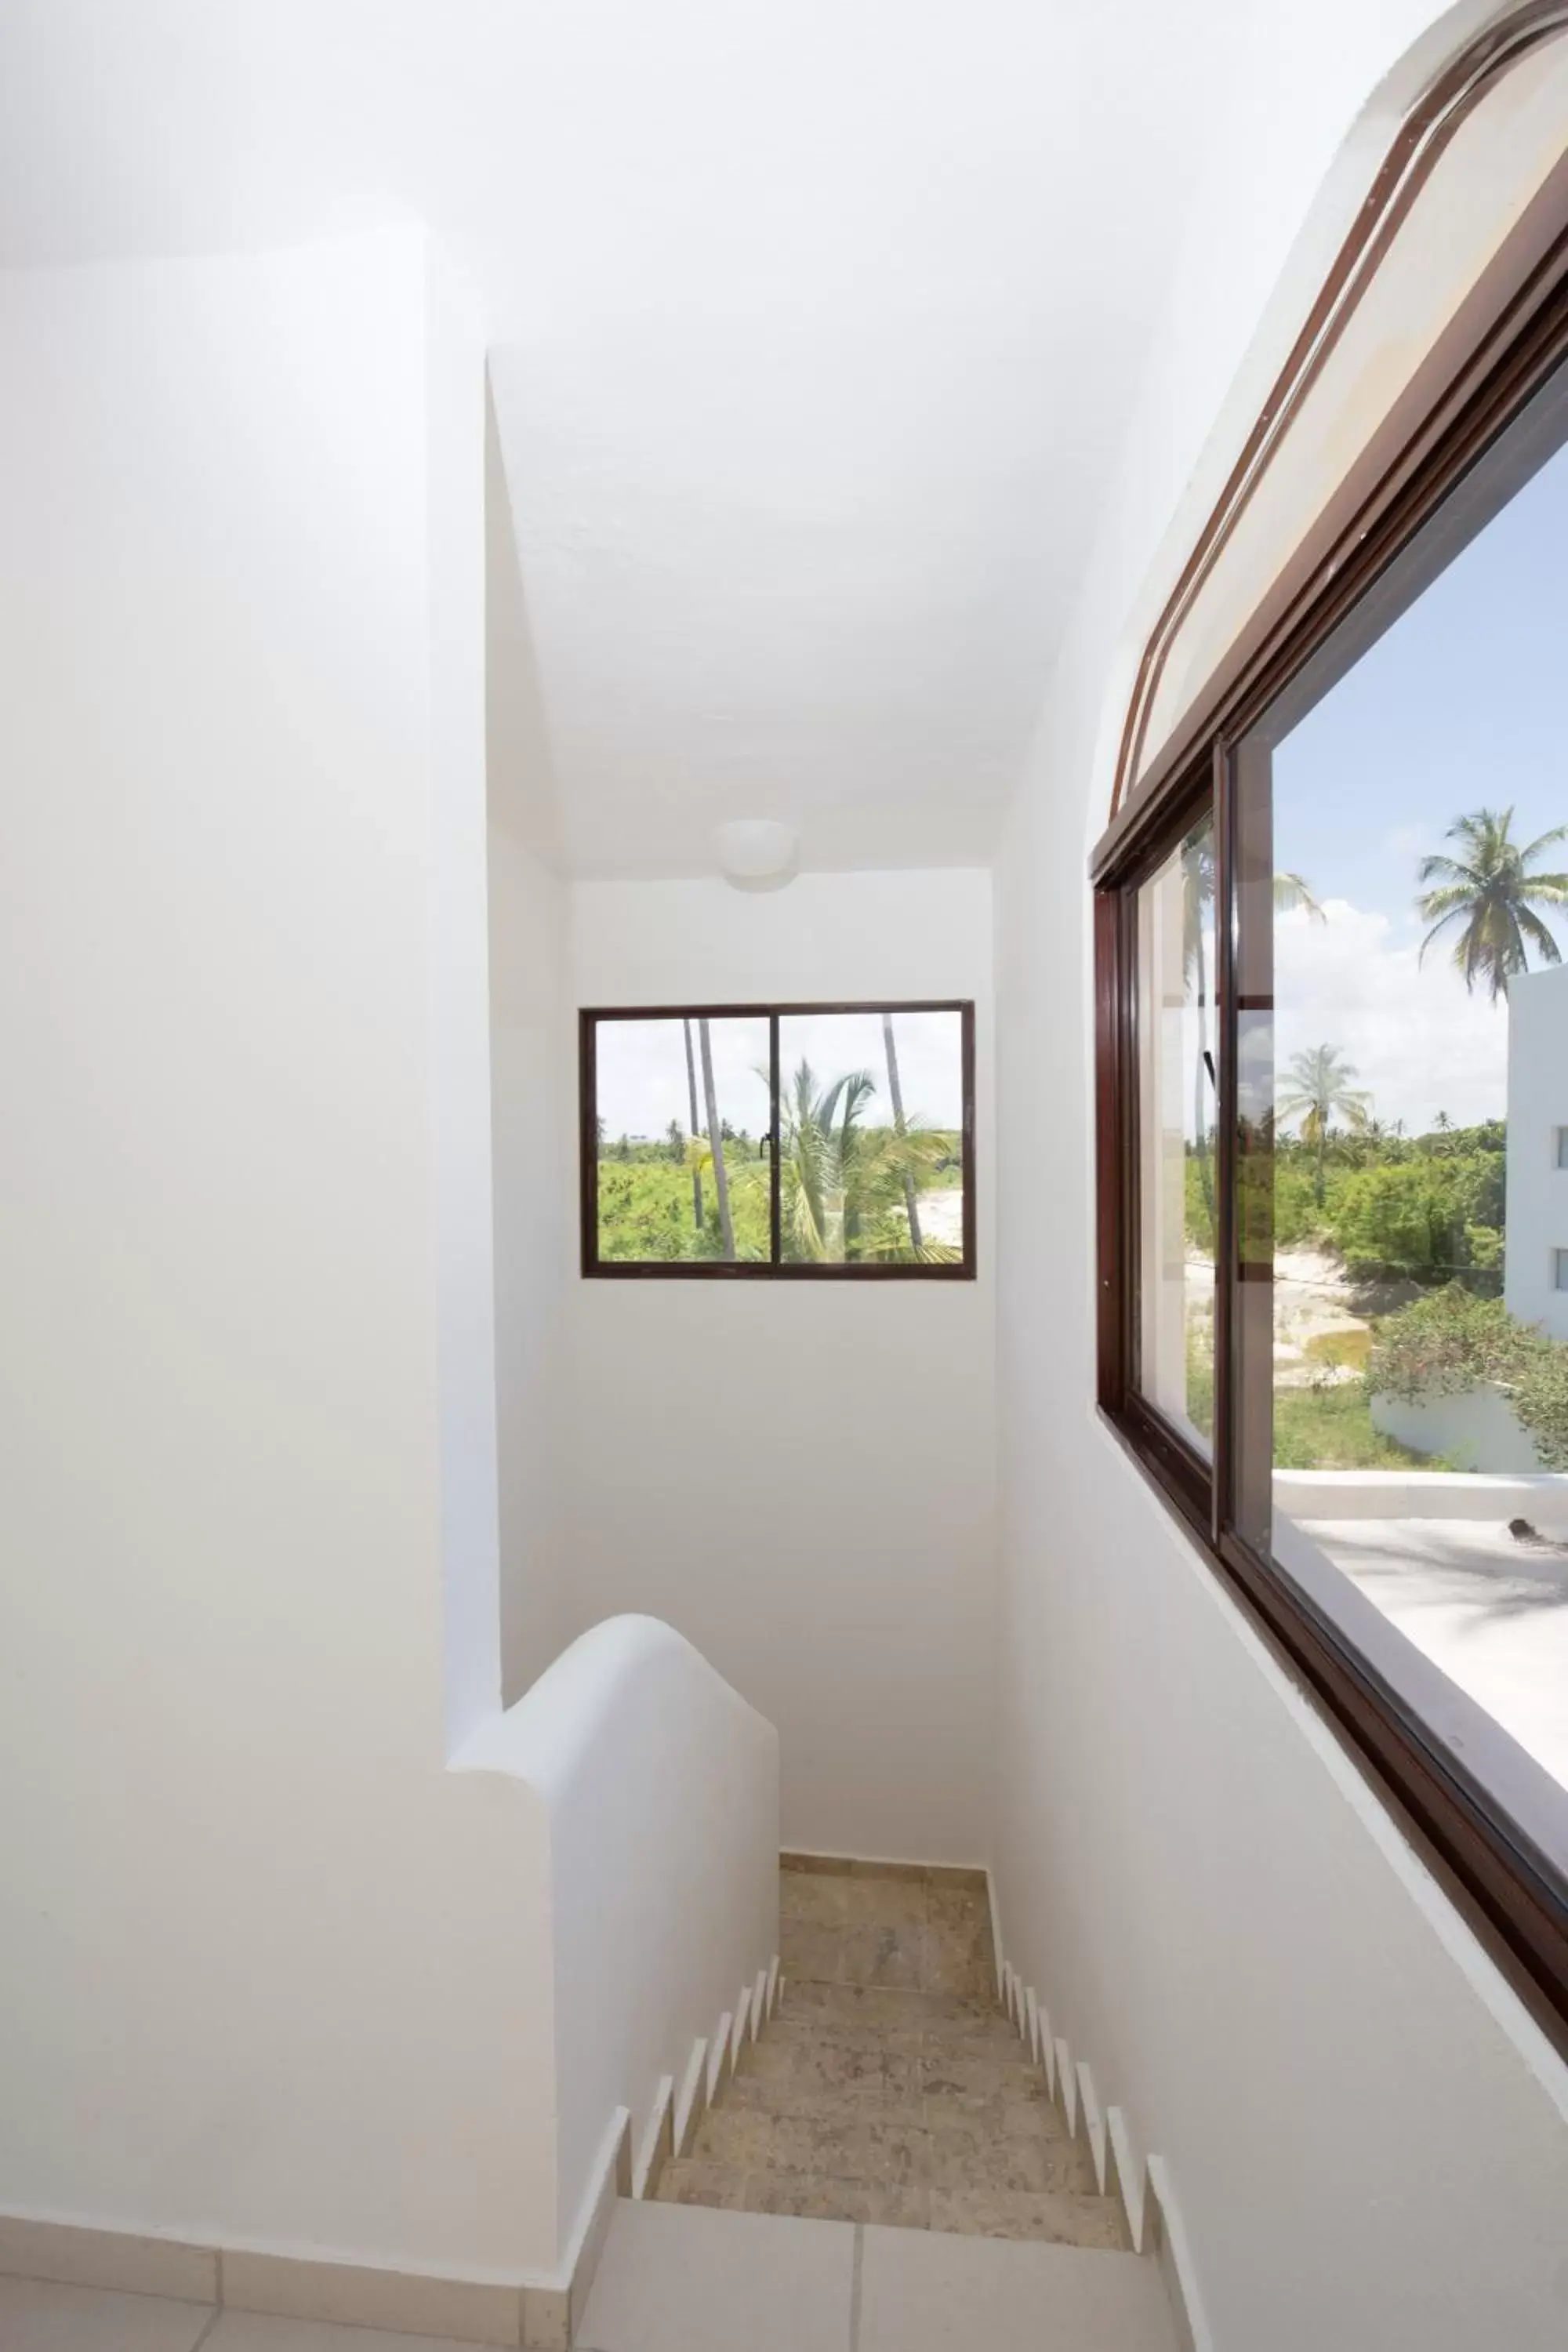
x=884 y=2171
x=892 y=2087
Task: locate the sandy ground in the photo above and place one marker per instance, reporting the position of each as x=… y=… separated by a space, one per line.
x=942 y=1216
x=1311 y=1297
x=1491 y=1613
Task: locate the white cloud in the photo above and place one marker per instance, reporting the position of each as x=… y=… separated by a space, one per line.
x=1419 y=1042
x=642 y=1079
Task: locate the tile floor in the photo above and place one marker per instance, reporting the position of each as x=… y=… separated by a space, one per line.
x=678 y=2278
x=892 y=2087
x=39 y=2318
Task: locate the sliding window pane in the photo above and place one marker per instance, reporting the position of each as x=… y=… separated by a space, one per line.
x=871 y=1126
x=682 y=1122
x=1176 y=1138
x=1415 y=902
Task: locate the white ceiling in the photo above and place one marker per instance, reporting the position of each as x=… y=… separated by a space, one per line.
x=814 y=322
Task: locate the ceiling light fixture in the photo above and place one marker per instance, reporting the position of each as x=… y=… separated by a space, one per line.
x=757 y=853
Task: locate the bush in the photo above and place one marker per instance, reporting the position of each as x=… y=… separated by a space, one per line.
x=1426 y=1219
x=1452 y=1341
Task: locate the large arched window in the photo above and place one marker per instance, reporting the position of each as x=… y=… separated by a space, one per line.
x=1332 y=991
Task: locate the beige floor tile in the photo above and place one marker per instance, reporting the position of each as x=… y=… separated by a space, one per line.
x=108 y=2258
x=351 y=2295
x=256 y=2331
x=952 y=1904
x=970 y=2026
x=977 y=2077
x=924 y=2292
x=816 y=1896
x=832 y=2074
x=886 y=1900
x=844 y=2142
x=772 y=2057
x=1057 y=2215
x=887 y=2010
x=972 y=2156
x=891 y=1958
x=692 y=2181
x=674 y=2278
x=810 y=1953
x=35 y=2317
x=820 y=2196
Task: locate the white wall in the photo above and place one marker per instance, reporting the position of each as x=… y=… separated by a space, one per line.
x=801 y=1476
x=1477 y=1429
x=533 y=1072
x=1537 y=1211
x=271 y=1976
x=1367 y=2138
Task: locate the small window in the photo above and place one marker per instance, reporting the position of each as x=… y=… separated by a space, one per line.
x=767 y=1141
x=1560 y=1269
x=1560 y=1140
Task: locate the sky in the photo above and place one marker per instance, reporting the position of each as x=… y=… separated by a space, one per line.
x=642 y=1082
x=1460 y=706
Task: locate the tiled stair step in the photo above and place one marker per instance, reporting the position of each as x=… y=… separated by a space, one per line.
x=680 y=2279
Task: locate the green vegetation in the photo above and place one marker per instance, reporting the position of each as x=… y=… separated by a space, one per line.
x=849 y=1191
x=1452 y=1341
x=1424 y=1208
x=1329 y=1427
x=646 y=1202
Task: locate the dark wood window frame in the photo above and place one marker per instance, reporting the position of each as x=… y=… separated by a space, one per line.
x=1513 y=1894
x=775 y=1268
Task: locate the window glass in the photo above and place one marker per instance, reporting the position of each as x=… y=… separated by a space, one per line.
x=1412 y=902
x=1177 y=1174
x=871 y=1138
x=681 y=1121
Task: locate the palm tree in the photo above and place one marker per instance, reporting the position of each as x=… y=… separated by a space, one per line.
x=1489 y=889
x=716 y=1140
x=896 y=1096
x=1290 y=891
x=841 y=1177
x=695 y=1130
x=1317 y=1086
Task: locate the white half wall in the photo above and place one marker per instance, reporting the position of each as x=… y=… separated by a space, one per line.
x=661 y=1791
x=1367 y=2137
x=272 y=1976
x=801 y=1476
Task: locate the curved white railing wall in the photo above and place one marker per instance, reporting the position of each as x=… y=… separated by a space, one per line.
x=659 y=1785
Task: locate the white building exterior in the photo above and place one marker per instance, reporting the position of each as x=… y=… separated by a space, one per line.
x=1536 y=1284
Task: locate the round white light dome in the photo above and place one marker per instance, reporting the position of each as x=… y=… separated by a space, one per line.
x=757 y=854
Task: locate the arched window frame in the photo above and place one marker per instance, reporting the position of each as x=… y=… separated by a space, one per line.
x=1513 y=1894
